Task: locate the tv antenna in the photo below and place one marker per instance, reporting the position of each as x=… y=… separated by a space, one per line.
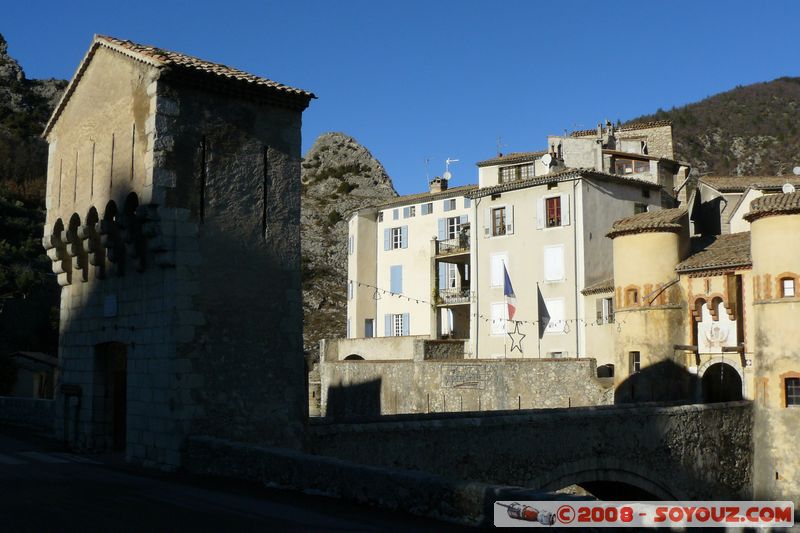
x=500 y=146
x=447 y=174
x=427 y=170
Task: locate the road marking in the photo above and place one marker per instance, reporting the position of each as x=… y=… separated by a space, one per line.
x=44 y=457
x=8 y=460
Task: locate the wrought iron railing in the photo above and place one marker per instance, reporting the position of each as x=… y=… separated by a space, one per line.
x=453 y=296
x=453 y=246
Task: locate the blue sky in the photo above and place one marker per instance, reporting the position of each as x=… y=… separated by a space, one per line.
x=413 y=80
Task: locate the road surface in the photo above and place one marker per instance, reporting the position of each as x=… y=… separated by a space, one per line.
x=45 y=488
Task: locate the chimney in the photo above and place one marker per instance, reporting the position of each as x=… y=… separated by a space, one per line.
x=438 y=184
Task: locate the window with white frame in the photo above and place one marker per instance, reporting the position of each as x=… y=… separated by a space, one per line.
x=635 y=360
x=449 y=204
x=451 y=274
x=427 y=209
x=498 y=221
x=499 y=318
x=453 y=225
x=497 y=262
x=605 y=310
x=397 y=325
x=397 y=238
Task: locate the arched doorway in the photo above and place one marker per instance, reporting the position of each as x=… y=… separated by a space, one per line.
x=721 y=383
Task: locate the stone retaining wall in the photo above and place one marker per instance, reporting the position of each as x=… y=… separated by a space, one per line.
x=28 y=412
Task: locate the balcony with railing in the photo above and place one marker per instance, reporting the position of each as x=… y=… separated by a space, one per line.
x=449 y=247
x=452 y=296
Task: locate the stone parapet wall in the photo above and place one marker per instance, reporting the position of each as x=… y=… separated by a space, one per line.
x=371 y=388
x=27 y=412
x=419 y=493
x=683 y=452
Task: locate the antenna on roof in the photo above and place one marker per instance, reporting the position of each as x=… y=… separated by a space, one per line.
x=447 y=175
x=427 y=170
x=500 y=146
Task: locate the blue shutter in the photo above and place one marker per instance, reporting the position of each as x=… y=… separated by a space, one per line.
x=396 y=279
x=387 y=325
x=426 y=209
x=442 y=276
x=395 y=214
x=442 y=229
x=463 y=219
x=405 y=212
x=446 y=205
x=387 y=239
x=466 y=203
x=406 y=324
x=404 y=237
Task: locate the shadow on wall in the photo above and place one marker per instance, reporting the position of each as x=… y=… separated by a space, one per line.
x=355 y=401
x=664 y=381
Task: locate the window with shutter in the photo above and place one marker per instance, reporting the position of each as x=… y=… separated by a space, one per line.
x=553 y=212
x=396 y=279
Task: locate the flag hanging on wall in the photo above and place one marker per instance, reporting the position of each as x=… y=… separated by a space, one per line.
x=508 y=291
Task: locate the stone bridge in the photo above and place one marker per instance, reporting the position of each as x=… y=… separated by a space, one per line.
x=646 y=451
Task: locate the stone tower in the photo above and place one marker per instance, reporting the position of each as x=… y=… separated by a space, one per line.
x=775 y=241
x=173 y=203
x=649 y=307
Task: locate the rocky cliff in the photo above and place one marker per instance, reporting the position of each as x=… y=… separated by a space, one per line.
x=750 y=130
x=25 y=106
x=338 y=176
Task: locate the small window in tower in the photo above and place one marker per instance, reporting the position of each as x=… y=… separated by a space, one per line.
x=787 y=288
x=792 y=388
x=632 y=297
x=635 y=361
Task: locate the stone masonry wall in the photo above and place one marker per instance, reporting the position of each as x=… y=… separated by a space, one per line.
x=691 y=452
x=371 y=388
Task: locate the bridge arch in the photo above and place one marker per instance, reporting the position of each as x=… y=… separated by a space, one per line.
x=586 y=472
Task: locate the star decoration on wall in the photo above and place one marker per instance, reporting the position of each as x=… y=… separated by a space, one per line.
x=516 y=338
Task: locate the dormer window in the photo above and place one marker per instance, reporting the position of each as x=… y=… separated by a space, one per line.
x=517 y=172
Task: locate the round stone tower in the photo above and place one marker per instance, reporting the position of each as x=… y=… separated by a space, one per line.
x=775 y=244
x=649 y=312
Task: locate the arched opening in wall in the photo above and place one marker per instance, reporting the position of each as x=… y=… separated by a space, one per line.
x=353 y=357
x=721 y=383
x=605 y=371
x=610 y=490
x=110 y=395
x=608 y=484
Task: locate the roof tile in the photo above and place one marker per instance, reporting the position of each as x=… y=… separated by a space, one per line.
x=774 y=204
x=667 y=220
x=725 y=251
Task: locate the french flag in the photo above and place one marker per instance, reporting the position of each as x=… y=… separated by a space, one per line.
x=508 y=291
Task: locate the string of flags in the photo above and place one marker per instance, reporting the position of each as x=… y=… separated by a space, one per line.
x=379 y=293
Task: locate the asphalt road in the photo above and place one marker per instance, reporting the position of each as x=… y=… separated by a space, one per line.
x=44 y=488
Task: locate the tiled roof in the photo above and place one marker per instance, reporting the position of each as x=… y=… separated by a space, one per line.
x=606 y=285
x=774 y=204
x=177 y=63
x=625 y=127
x=667 y=220
x=741 y=183
x=561 y=175
x=726 y=251
x=513 y=157
x=408 y=199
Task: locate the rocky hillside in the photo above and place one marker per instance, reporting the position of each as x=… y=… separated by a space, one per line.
x=750 y=130
x=25 y=106
x=338 y=176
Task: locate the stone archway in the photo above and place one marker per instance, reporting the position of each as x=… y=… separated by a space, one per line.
x=721 y=381
x=609 y=474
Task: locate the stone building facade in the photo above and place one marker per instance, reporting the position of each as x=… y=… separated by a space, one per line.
x=173 y=207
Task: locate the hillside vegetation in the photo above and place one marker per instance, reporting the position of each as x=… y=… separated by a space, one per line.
x=750 y=130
